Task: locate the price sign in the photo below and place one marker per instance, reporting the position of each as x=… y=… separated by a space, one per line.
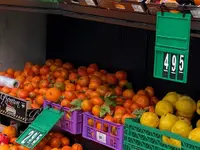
x=172 y=50
x=137 y=8
x=101 y=137
x=39 y=127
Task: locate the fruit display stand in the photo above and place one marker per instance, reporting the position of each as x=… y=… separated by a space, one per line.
x=116 y=40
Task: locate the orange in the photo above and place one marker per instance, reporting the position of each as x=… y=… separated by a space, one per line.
x=70 y=95
x=94 y=85
x=127 y=104
x=125 y=116
x=36 y=69
x=135 y=97
x=154 y=100
x=10 y=131
x=47 y=147
x=55 y=143
x=83 y=81
x=28 y=65
x=118 y=118
x=143 y=101
x=39 y=100
x=21 y=79
x=6 y=90
x=73 y=77
x=65 y=141
x=118 y=90
x=53 y=94
x=77 y=147
x=70 y=87
x=111 y=79
x=96 y=110
x=122 y=83
x=134 y=107
x=4 y=147
x=66 y=148
x=10 y=71
x=121 y=75
x=68 y=66
x=22 y=94
x=128 y=93
x=98 y=127
x=81 y=96
x=142 y=92
x=90 y=122
x=13 y=147
x=92 y=93
x=58 y=135
x=108 y=118
x=17 y=73
x=102 y=90
x=65 y=103
x=28 y=87
x=43 y=83
x=97 y=101
x=86 y=106
x=120 y=110
x=150 y=91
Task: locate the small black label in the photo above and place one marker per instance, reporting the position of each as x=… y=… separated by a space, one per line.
x=181 y=67
x=173 y=66
x=165 y=65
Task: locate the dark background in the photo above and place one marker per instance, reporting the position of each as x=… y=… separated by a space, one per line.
x=115 y=47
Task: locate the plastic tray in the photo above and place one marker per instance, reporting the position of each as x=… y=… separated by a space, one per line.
x=73 y=123
x=140 y=137
x=111 y=137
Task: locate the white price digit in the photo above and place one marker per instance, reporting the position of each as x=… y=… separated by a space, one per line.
x=101 y=137
x=37 y=139
x=173 y=63
x=166 y=62
x=29 y=135
x=181 y=63
x=33 y=137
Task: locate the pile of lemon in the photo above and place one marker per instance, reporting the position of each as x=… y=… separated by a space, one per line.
x=174 y=113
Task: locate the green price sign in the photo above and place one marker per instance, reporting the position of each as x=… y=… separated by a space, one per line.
x=37 y=130
x=172 y=46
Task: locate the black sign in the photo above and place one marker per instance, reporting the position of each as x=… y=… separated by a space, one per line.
x=173 y=66
x=17 y=108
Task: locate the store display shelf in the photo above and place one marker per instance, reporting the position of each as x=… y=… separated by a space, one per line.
x=130 y=19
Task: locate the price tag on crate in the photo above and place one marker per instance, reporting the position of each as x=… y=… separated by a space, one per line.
x=101 y=137
x=39 y=127
x=172 y=47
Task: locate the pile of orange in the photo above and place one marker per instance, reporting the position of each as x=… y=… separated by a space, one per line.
x=53 y=141
x=88 y=88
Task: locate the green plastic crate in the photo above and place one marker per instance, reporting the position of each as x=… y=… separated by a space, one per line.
x=140 y=137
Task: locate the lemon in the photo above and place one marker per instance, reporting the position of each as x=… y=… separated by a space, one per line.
x=182 y=114
x=198 y=124
x=195 y=135
x=167 y=121
x=182 y=128
x=165 y=139
x=186 y=106
x=149 y=119
x=171 y=97
x=175 y=142
x=163 y=107
x=185 y=119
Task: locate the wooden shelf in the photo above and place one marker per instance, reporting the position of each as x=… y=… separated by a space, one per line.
x=136 y=20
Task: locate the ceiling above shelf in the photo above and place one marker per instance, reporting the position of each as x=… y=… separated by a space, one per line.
x=130 y=19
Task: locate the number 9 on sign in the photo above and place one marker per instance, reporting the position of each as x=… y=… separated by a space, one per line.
x=173 y=66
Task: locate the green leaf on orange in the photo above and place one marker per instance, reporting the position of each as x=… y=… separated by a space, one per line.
x=104 y=110
x=76 y=105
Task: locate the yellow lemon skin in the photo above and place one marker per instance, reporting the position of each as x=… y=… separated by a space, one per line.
x=182 y=128
x=149 y=119
x=163 y=107
x=167 y=121
x=195 y=135
x=171 y=97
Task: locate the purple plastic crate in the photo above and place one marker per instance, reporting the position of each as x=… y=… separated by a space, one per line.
x=110 y=134
x=71 y=121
